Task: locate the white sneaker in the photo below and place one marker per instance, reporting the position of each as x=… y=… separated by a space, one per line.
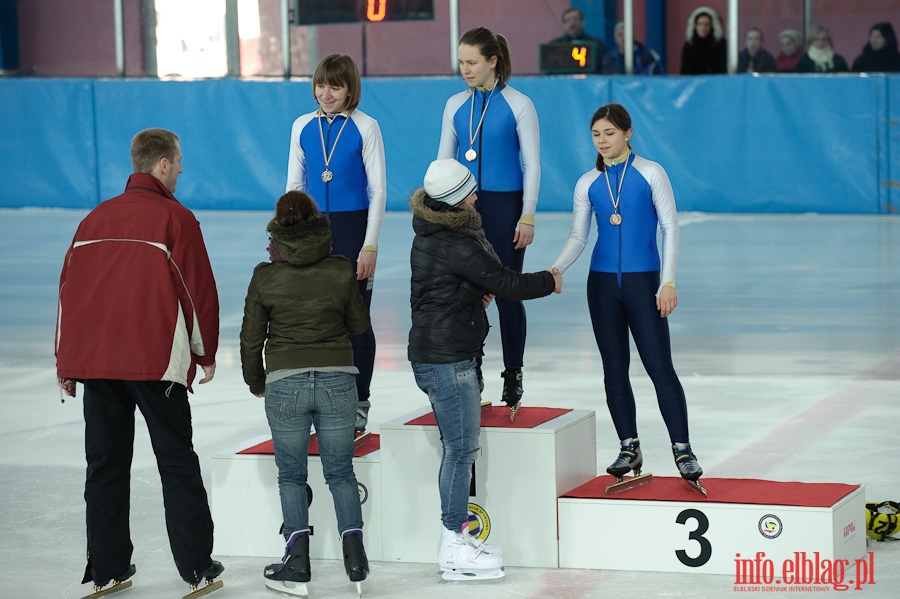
x=460 y=560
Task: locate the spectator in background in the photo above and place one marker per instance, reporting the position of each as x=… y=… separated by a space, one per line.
x=880 y=54
x=646 y=61
x=573 y=25
x=754 y=58
x=704 y=51
x=791 y=51
x=820 y=56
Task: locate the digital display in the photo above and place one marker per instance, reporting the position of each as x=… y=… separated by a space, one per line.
x=322 y=12
x=561 y=58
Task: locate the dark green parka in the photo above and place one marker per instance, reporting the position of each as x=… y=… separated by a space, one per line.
x=302 y=307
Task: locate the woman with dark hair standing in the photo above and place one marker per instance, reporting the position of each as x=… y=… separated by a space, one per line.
x=704 y=51
x=628 y=287
x=880 y=54
x=493 y=130
x=299 y=310
x=337 y=156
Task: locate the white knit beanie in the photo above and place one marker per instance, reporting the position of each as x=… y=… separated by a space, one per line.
x=446 y=180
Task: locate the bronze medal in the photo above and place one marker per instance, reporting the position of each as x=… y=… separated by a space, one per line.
x=615 y=219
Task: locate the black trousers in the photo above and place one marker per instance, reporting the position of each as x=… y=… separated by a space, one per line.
x=109 y=446
x=615 y=309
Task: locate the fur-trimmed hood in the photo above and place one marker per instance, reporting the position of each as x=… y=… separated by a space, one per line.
x=307 y=242
x=455 y=220
x=717 y=30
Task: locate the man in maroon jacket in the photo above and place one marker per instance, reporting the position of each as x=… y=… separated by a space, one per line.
x=138 y=311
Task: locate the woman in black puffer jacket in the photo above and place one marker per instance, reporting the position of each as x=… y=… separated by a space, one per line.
x=455 y=275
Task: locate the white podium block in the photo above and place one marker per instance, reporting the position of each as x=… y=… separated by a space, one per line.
x=246 y=506
x=743 y=528
x=519 y=475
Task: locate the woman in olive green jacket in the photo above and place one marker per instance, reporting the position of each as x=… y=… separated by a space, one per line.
x=299 y=309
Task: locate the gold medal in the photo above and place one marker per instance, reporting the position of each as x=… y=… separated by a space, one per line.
x=327 y=175
x=471 y=154
x=615 y=219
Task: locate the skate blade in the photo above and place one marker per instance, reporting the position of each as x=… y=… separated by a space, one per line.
x=298 y=589
x=362 y=439
x=486 y=405
x=115 y=588
x=696 y=486
x=514 y=411
x=208 y=588
x=472 y=575
x=359 y=590
x=630 y=483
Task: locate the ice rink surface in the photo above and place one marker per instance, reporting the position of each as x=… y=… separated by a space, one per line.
x=786 y=338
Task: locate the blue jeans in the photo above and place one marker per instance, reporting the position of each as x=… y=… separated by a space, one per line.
x=456 y=400
x=328 y=401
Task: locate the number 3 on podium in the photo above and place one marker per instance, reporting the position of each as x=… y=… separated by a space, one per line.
x=696 y=535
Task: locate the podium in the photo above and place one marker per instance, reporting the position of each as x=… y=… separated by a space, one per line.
x=746 y=528
x=518 y=477
x=246 y=506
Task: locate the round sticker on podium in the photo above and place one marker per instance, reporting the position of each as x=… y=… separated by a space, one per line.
x=479 y=522
x=770 y=526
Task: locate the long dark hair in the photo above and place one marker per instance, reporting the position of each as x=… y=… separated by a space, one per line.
x=491 y=44
x=293 y=207
x=620 y=119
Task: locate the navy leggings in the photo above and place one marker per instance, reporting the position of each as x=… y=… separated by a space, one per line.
x=500 y=212
x=348 y=231
x=614 y=310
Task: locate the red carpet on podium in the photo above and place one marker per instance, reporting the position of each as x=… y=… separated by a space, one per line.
x=498 y=416
x=721 y=490
x=370 y=444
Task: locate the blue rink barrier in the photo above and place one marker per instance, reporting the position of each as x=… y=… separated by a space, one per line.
x=777 y=143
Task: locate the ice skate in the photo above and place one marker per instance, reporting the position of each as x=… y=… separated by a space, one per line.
x=478 y=543
x=119 y=583
x=460 y=560
x=630 y=458
x=209 y=576
x=291 y=574
x=512 y=391
x=355 y=562
x=362 y=416
x=688 y=466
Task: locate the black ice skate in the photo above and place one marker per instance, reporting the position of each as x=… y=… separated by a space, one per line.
x=355 y=562
x=362 y=416
x=119 y=583
x=630 y=458
x=291 y=574
x=688 y=466
x=208 y=577
x=512 y=391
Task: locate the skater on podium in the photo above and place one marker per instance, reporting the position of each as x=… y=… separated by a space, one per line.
x=337 y=156
x=138 y=312
x=627 y=287
x=455 y=276
x=493 y=130
x=300 y=308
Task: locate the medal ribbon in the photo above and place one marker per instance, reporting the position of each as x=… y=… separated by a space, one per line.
x=472 y=115
x=615 y=200
x=327 y=155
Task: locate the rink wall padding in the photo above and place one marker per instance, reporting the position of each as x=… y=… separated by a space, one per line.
x=722 y=490
x=769 y=143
